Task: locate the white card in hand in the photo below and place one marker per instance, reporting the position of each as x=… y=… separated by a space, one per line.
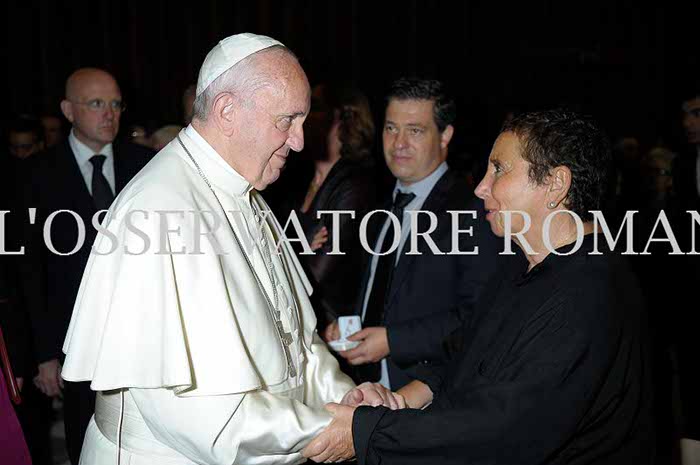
x=348 y=325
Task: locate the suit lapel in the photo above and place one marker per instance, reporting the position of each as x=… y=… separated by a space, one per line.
x=434 y=203
x=74 y=181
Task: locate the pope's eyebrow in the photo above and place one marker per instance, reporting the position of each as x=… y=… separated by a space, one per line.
x=292 y=115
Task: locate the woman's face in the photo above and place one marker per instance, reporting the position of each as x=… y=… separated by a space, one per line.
x=333 y=137
x=507 y=187
x=318 y=125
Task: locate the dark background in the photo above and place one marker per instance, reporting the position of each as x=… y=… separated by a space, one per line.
x=625 y=62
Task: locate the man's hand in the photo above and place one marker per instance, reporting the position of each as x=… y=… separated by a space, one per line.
x=49 y=378
x=373 y=394
x=320 y=238
x=332 y=332
x=334 y=443
x=373 y=347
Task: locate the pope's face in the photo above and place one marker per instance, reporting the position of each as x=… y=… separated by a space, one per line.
x=273 y=124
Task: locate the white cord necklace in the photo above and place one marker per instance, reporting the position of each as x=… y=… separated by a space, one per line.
x=285 y=337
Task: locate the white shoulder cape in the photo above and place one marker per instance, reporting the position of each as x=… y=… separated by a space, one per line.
x=196 y=322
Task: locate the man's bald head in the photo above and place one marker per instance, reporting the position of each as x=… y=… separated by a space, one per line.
x=93 y=105
x=85 y=77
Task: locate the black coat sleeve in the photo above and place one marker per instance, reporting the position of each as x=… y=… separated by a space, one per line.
x=509 y=414
x=336 y=276
x=45 y=325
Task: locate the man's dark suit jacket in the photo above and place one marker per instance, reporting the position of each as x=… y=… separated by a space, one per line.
x=431 y=295
x=688 y=275
x=685 y=179
x=49 y=282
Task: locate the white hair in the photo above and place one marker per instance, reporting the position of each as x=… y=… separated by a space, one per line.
x=242 y=80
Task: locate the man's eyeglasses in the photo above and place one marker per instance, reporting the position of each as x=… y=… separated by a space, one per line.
x=98 y=104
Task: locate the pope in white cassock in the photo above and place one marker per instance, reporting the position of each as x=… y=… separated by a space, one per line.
x=193 y=320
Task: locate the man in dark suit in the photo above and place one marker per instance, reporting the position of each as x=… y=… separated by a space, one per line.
x=82 y=174
x=413 y=297
x=686 y=186
x=686 y=172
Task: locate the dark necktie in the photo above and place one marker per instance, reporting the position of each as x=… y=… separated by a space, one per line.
x=374 y=315
x=102 y=194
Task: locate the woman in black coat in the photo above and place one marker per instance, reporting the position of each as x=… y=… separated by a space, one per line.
x=553 y=368
x=339 y=138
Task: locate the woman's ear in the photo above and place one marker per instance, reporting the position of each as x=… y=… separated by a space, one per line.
x=559 y=182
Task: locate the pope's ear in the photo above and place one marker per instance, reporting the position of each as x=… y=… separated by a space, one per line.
x=67 y=110
x=224 y=113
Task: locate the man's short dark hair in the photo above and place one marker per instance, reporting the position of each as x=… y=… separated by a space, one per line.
x=26 y=124
x=412 y=88
x=562 y=138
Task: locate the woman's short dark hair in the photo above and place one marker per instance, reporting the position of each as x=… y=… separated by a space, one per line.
x=562 y=138
x=444 y=109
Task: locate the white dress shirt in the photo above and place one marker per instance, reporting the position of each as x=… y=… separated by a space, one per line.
x=83 y=154
x=422 y=189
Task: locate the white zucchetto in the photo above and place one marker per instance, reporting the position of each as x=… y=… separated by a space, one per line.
x=227 y=53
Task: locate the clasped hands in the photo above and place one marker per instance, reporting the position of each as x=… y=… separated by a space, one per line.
x=335 y=443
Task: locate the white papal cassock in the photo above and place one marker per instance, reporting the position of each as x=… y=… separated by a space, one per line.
x=175 y=332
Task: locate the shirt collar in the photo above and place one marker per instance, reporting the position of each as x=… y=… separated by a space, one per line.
x=423 y=187
x=554 y=260
x=83 y=153
x=214 y=166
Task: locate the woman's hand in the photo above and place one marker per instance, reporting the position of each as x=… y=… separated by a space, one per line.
x=416 y=394
x=332 y=332
x=320 y=238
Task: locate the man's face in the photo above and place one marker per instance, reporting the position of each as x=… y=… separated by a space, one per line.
x=23 y=144
x=272 y=125
x=691 y=120
x=413 y=145
x=52 y=130
x=94 y=126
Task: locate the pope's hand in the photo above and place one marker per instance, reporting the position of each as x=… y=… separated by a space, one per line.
x=373 y=347
x=334 y=443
